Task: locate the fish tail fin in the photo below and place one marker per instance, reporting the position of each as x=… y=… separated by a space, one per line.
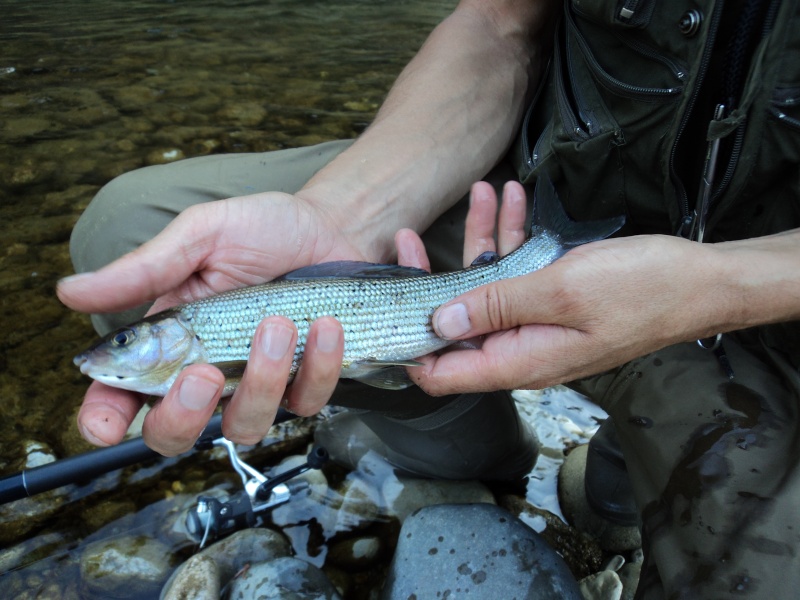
x=549 y=213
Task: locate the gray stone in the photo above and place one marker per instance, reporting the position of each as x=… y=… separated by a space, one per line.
x=476 y=551
x=283 y=579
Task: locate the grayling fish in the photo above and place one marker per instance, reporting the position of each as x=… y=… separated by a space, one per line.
x=385 y=311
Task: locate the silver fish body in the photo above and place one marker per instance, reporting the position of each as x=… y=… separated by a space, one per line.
x=385 y=312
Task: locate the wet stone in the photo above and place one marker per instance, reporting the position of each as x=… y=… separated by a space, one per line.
x=283 y=578
x=197 y=579
x=25 y=515
x=356 y=554
x=164 y=155
x=404 y=495
x=246 y=547
x=243 y=113
x=476 y=550
x=124 y=567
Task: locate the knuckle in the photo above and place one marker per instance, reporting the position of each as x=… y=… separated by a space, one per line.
x=498 y=308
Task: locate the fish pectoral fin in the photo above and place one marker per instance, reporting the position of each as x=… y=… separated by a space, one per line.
x=486 y=258
x=387 y=375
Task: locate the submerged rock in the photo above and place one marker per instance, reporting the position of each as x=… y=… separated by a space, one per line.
x=203 y=575
x=124 y=567
x=283 y=579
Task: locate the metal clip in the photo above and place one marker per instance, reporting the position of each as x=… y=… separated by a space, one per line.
x=706 y=187
x=698 y=230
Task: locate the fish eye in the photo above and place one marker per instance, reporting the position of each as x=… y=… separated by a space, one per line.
x=123 y=337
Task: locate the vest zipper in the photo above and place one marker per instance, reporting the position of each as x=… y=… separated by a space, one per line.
x=576 y=130
x=620 y=87
x=678 y=71
x=785 y=98
x=738 y=141
x=683 y=200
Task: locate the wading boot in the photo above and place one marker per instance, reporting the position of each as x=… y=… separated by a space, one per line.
x=465 y=436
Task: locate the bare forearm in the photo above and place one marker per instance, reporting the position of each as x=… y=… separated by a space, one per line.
x=759 y=280
x=449 y=118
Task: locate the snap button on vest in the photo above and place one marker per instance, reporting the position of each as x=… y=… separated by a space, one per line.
x=690 y=22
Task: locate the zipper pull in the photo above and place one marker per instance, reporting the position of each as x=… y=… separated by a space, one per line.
x=628 y=10
x=706 y=186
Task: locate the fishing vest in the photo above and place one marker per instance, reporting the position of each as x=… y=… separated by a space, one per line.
x=625 y=123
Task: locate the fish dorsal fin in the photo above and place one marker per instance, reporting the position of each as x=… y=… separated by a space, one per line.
x=549 y=213
x=352 y=269
x=485 y=258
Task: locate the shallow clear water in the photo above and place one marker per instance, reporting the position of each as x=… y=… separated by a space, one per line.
x=90 y=89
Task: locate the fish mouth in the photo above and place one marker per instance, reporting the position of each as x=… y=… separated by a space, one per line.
x=82 y=362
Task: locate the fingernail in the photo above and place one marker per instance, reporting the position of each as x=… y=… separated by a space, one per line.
x=73 y=278
x=275 y=340
x=328 y=339
x=452 y=321
x=90 y=437
x=196 y=393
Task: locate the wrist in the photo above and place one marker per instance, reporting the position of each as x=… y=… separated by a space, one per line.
x=345 y=211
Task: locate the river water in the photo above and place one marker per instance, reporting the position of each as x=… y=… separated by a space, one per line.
x=90 y=89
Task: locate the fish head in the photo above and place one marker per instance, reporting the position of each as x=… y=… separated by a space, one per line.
x=143 y=357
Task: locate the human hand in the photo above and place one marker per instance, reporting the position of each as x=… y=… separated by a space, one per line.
x=206 y=250
x=597 y=307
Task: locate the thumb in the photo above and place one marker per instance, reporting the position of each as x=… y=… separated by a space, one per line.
x=153 y=269
x=497 y=306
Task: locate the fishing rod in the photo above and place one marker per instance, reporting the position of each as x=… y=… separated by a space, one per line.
x=94 y=463
x=210 y=518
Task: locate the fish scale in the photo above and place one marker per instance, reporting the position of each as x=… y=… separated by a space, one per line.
x=385 y=312
x=383 y=319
